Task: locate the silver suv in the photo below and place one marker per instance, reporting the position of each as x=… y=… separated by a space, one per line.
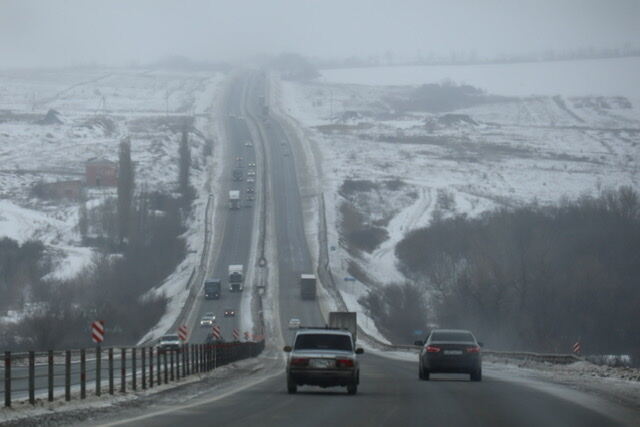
x=323 y=357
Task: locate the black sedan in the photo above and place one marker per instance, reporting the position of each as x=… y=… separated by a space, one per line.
x=450 y=350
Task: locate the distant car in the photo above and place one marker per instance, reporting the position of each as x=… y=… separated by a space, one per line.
x=238 y=159
x=169 y=342
x=230 y=312
x=251 y=197
x=323 y=357
x=294 y=323
x=208 y=319
x=251 y=173
x=248 y=144
x=250 y=180
x=252 y=165
x=250 y=190
x=450 y=350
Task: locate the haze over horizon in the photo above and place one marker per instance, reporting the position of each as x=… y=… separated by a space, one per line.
x=79 y=32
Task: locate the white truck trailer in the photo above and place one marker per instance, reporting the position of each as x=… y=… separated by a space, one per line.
x=234 y=199
x=236 y=277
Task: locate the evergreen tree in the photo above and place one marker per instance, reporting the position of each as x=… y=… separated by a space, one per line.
x=126 y=186
x=184 y=153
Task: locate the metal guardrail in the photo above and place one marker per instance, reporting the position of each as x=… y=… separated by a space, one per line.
x=555 y=358
x=47 y=375
x=559 y=359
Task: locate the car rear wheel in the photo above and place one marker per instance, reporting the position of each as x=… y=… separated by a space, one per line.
x=292 y=387
x=352 y=388
x=424 y=374
x=476 y=375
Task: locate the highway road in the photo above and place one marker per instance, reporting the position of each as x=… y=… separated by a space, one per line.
x=293 y=255
x=390 y=392
x=238 y=224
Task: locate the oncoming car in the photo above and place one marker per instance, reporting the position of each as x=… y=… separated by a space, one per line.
x=450 y=350
x=294 y=323
x=323 y=357
x=207 y=319
x=169 y=342
x=229 y=312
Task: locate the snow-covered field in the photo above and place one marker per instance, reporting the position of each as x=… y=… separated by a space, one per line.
x=616 y=76
x=560 y=129
x=96 y=108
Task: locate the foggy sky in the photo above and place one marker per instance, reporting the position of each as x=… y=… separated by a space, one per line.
x=119 y=32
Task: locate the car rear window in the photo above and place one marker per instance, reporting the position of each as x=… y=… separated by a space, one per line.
x=323 y=342
x=452 y=336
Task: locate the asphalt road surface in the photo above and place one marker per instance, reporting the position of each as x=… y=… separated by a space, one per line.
x=390 y=394
x=238 y=224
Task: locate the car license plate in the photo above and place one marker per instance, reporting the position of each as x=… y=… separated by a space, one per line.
x=321 y=363
x=453 y=352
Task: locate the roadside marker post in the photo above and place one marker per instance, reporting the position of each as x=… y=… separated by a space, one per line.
x=97 y=336
x=97 y=331
x=577 y=348
x=183 y=333
x=215 y=331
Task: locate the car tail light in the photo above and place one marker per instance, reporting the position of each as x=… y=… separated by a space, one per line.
x=474 y=349
x=433 y=349
x=299 y=361
x=344 y=363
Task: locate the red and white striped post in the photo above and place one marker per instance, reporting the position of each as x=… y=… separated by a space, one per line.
x=215 y=331
x=183 y=333
x=236 y=334
x=97 y=331
x=97 y=335
x=577 y=348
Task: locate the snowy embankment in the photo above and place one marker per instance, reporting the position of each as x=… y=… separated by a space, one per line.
x=555 y=130
x=93 y=110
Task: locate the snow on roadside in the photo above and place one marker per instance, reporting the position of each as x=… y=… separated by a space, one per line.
x=616 y=384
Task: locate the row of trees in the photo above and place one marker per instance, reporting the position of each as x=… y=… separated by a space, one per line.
x=536 y=278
